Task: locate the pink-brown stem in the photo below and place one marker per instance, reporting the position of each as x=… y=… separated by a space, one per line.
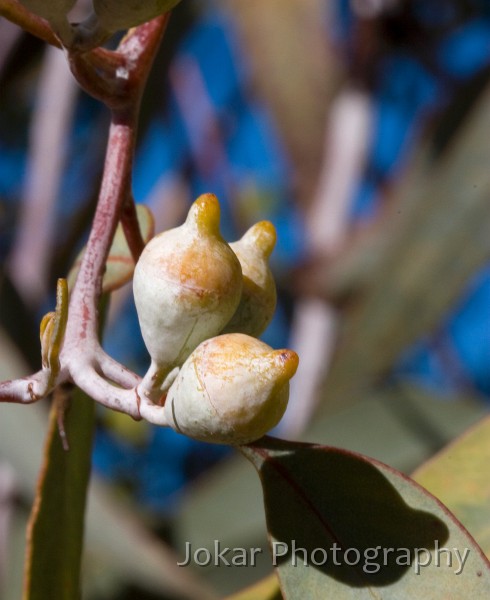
x=82 y=359
x=82 y=320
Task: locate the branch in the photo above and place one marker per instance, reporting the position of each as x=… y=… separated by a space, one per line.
x=315 y=324
x=82 y=359
x=49 y=130
x=26 y=390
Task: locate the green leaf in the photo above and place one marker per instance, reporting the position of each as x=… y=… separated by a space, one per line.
x=115 y=15
x=459 y=476
x=111 y=526
x=54 y=11
x=55 y=533
x=51 y=10
x=120 y=262
x=326 y=505
x=265 y=589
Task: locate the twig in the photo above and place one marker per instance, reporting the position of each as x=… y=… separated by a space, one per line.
x=25 y=390
x=83 y=319
x=82 y=360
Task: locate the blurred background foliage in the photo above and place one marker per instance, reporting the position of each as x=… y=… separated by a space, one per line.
x=360 y=130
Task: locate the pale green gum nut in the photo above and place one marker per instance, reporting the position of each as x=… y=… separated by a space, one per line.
x=259 y=296
x=187 y=284
x=231 y=390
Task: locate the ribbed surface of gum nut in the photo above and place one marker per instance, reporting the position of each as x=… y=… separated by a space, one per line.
x=231 y=390
x=258 y=300
x=187 y=284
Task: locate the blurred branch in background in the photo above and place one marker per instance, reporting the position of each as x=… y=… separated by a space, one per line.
x=436 y=238
x=8 y=490
x=31 y=254
x=314 y=327
x=346 y=101
x=206 y=143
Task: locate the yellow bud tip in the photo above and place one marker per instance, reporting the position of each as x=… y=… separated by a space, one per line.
x=287 y=361
x=261 y=237
x=205 y=214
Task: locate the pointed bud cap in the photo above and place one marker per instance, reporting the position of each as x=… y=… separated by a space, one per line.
x=204 y=215
x=260 y=238
x=259 y=296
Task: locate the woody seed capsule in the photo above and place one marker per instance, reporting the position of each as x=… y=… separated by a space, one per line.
x=231 y=390
x=187 y=285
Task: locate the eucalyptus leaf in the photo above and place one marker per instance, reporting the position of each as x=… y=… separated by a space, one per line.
x=460 y=476
x=115 y=533
x=265 y=589
x=51 y=10
x=344 y=526
x=54 y=11
x=115 y=15
x=55 y=536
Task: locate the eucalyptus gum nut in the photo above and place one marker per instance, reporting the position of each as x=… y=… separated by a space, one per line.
x=187 y=285
x=258 y=300
x=231 y=390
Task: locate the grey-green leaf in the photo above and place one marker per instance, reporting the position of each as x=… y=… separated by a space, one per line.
x=361 y=529
x=56 y=526
x=116 y=15
x=54 y=11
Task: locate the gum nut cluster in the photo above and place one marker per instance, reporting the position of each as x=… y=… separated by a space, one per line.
x=187 y=285
x=258 y=300
x=231 y=390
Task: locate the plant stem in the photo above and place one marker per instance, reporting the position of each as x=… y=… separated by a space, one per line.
x=115 y=182
x=82 y=360
x=138 y=47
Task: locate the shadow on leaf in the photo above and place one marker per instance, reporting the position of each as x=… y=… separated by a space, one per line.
x=335 y=511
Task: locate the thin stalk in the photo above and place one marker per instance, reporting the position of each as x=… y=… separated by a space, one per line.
x=82 y=360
